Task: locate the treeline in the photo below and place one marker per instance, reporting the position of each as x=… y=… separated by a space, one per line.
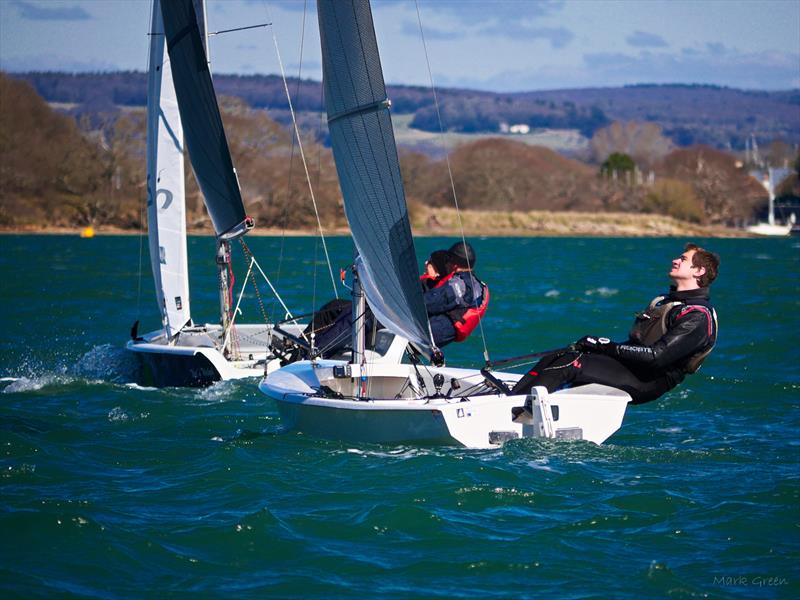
x=55 y=171
x=687 y=114
x=59 y=171
x=697 y=184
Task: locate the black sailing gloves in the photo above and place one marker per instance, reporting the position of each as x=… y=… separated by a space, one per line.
x=596 y=345
x=437 y=358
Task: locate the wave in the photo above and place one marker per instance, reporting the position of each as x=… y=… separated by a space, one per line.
x=102 y=364
x=603 y=292
x=108 y=363
x=143 y=388
x=32 y=384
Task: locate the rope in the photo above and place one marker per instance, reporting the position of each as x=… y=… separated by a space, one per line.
x=303 y=155
x=234 y=335
x=447 y=159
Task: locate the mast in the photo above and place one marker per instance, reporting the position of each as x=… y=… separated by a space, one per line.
x=359 y=308
x=223 y=261
x=186 y=35
x=223 y=250
x=770 y=185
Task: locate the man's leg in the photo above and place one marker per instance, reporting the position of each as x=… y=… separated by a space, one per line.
x=553 y=371
x=331 y=326
x=327 y=315
x=574 y=368
x=596 y=368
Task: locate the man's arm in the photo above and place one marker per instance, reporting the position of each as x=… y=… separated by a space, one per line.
x=443 y=299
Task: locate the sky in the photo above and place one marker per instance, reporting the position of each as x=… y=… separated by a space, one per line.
x=501 y=46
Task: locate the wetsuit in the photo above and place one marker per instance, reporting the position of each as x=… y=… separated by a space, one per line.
x=645 y=371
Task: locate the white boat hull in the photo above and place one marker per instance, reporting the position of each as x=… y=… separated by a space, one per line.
x=767 y=229
x=195 y=359
x=477 y=420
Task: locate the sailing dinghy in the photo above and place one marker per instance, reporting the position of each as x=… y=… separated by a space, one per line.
x=182 y=103
x=385 y=401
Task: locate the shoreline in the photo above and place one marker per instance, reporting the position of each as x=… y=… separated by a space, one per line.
x=445 y=222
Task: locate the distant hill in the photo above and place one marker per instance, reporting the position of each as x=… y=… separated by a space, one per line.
x=688 y=114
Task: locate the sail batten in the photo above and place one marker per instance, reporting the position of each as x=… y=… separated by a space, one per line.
x=369 y=169
x=202 y=122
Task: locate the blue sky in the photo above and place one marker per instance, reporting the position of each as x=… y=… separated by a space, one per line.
x=499 y=46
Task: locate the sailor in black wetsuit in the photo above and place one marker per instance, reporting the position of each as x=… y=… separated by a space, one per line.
x=668 y=340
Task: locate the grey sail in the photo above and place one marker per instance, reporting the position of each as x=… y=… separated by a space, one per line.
x=369 y=171
x=202 y=123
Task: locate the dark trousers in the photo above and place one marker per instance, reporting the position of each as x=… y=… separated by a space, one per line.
x=556 y=371
x=332 y=326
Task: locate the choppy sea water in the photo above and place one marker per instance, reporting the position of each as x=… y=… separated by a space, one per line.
x=111 y=490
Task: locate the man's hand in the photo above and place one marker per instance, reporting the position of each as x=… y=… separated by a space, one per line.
x=596 y=345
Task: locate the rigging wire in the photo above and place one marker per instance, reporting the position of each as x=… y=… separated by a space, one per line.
x=314 y=295
x=316 y=242
x=248 y=254
x=141 y=252
x=143 y=203
x=284 y=216
x=302 y=154
x=447 y=158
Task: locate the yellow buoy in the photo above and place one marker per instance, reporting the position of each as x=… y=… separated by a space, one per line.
x=87 y=232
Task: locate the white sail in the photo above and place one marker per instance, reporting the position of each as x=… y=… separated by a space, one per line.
x=166 y=203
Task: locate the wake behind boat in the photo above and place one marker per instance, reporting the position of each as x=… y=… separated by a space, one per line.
x=389 y=401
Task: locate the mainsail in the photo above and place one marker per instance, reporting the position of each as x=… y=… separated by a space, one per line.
x=202 y=123
x=369 y=171
x=165 y=187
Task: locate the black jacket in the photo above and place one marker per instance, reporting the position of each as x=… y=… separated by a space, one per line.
x=690 y=331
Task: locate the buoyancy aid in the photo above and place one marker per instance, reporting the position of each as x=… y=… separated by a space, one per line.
x=653 y=323
x=465 y=320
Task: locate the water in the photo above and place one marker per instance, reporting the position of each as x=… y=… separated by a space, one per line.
x=112 y=490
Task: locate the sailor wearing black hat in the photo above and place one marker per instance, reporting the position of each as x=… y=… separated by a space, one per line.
x=458 y=300
x=455 y=298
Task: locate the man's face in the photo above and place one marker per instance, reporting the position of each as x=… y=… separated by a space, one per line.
x=682 y=269
x=430 y=270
